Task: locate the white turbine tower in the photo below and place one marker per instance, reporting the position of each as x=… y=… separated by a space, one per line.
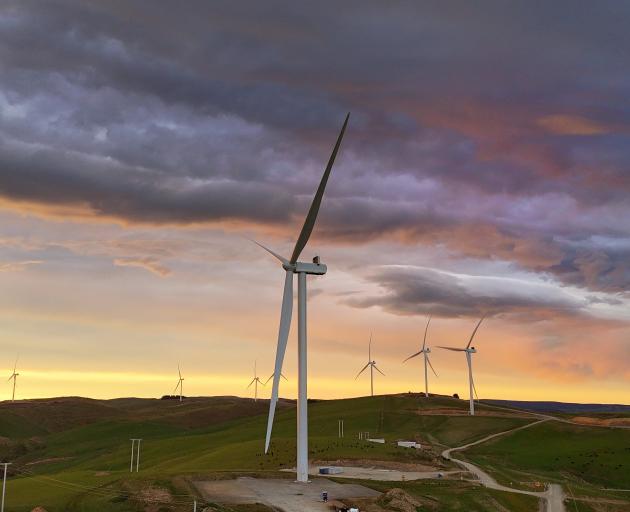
x=425 y=351
x=372 y=364
x=180 y=384
x=293 y=266
x=14 y=376
x=256 y=380
x=469 y=352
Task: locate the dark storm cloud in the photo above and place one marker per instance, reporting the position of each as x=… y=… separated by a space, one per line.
x=418 y=291
x=113 y=190
x=507 y=120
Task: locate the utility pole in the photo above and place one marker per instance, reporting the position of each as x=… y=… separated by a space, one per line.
x=138 y=456
x=340 y=428
x=4 y=483
x=133 y=443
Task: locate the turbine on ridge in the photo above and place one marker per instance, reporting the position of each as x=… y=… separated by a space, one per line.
x=256 y=380
x=469 y=352
x=180 y=384
x=372 y=365
x=425 y=351
x=293 y=266
x=14 y=376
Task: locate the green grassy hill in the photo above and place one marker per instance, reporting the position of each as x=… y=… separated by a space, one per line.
x=73 y=454
x=560 y=452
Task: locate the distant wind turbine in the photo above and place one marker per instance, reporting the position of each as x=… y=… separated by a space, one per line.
x=469 y=352
x=14 y=376
x=180 y=384
x=293 y=266
x=271 y=377
x=256 y=380
x=372 y=365
x=425 y=351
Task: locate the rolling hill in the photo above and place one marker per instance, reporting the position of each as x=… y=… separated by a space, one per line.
x=73 y=454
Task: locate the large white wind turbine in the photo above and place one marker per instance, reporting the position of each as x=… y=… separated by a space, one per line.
x=256 y=380
x=293 y=266
x=180 y=384
x=425 y=351
x=469 y=352
x=372 y=364
x=14 y=376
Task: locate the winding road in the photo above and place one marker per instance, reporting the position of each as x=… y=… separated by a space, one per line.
x=553 y=496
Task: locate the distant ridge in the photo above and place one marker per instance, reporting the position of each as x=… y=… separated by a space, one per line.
x=561 y=407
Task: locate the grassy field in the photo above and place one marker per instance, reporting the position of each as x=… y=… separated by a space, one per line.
x=555 y=451
x=73 y=454
x=453 y=495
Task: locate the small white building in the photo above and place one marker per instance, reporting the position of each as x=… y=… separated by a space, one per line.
x=409 y=444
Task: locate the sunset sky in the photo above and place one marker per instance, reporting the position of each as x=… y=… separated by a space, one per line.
x=485 y=170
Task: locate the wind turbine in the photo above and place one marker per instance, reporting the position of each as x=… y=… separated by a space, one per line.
x=14 y=376
x=469 y=352
x=271 y=377
x=425 y=351
x=180 y=384
x=256 y=380
x=372 y=365
x=293 y=266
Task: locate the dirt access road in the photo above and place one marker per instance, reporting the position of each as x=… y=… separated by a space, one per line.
x=385 y=475
x=280 y=493
x=553 y=496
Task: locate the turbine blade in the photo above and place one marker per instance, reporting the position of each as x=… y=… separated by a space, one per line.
x=411 y=357
x=474 y=332
x=178 y=371
x=178 y=384
x=250 y=384
x=274 y=254
x=362 y=370
x=431 y=366
x=270 y=377
x=379 y=371
x=283 y=335
x=16 y=362
x=281 y=375
x=425 y=333
x=370 y=348
x=263 y=383
x=452 y=348
x=309 y=222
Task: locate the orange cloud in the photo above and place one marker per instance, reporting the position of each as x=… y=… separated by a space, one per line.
x=561 y=124
x=17 y=266
x=151 y=264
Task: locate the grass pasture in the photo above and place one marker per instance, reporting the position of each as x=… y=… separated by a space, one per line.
x=598 y=457
x=78 y=459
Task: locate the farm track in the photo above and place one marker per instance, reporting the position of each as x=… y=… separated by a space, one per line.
x=553 y=496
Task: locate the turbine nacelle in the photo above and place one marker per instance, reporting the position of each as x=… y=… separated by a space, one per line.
x=316 y=268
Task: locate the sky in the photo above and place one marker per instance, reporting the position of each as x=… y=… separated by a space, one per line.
x=485 y=171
